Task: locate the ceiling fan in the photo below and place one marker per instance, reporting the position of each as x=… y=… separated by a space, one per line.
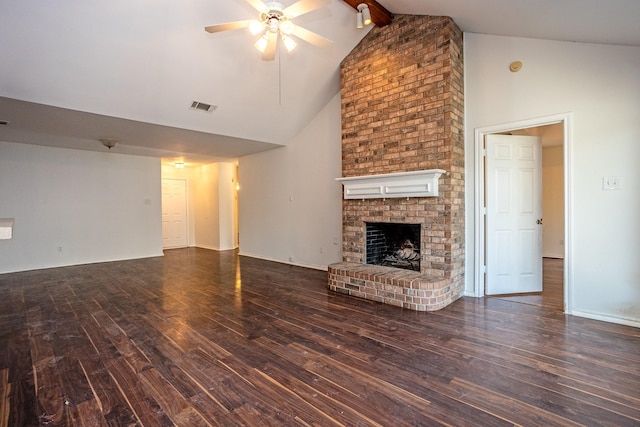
x=275 y=20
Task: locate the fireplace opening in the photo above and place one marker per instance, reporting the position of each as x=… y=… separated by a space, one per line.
x=393 y=245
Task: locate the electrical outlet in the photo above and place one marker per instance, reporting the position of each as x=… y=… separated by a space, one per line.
x=612 y=183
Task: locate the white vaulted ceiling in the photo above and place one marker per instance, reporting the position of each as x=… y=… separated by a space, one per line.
x=73 y=71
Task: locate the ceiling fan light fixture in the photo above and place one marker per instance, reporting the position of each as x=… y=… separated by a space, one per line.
x=273 y=24
x=256 y=27
x=261 y=44
x=289 y=43
x=286 y=27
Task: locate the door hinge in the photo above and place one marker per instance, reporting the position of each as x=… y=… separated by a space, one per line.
x=484 y=152
x=484 y=210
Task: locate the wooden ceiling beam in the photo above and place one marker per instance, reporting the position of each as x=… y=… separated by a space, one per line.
x=379 y=14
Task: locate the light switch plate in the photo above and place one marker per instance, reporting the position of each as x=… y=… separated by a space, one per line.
x=6 y=228
x=612 y=183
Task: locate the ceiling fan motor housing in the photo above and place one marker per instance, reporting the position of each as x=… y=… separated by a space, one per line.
x=274 y=11
x=274 y=18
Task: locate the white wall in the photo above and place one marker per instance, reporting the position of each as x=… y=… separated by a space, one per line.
x=600 y=86
x=206 y=202
x=552 y=202
x=227 y=206
x=290 y=204
x=76 y=207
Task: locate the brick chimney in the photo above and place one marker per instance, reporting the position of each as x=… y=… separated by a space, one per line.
x=402 y=111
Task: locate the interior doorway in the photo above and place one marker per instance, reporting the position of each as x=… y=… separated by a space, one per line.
x=554 y=134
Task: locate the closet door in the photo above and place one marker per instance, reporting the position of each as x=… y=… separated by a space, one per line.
x=174 y=213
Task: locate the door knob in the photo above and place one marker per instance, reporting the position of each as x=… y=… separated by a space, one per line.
x=539 y=221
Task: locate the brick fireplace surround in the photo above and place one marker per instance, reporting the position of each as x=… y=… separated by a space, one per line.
x=402 y=110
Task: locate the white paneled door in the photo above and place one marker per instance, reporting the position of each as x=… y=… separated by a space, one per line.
x=174 y=213
x=514 y=214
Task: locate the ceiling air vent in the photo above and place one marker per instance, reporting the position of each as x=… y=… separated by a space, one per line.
x=197 y=105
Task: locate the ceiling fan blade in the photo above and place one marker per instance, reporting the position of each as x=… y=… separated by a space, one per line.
x=227 y=26
x=311 y=37
x=258 y=5
x=304 y=6
x=269 y=53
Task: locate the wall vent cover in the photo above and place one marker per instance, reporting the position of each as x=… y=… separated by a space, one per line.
x=202 y=106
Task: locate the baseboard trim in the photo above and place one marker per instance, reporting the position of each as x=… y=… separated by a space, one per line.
x=607 y=318
x=297 y=264
x=24 y=268
x=213 y=248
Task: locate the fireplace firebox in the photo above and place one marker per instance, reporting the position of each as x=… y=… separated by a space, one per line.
x=393 y=245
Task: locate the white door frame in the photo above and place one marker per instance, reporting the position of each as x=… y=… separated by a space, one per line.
x=479 y=197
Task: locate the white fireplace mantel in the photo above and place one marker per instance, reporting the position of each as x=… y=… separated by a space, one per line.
x=402 y=184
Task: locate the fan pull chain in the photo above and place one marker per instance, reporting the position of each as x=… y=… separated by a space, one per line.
x=279 y=76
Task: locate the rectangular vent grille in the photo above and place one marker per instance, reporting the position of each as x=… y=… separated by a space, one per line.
x=197 y=105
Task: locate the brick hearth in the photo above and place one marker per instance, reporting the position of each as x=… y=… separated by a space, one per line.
x=402 y=110
x=403 y=288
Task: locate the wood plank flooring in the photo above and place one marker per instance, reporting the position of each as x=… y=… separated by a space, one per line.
x=205 y=338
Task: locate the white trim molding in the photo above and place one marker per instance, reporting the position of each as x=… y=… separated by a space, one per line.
x=479 y=197
x=422 y=183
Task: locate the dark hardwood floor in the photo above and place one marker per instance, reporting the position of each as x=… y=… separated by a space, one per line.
x=199 y=337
